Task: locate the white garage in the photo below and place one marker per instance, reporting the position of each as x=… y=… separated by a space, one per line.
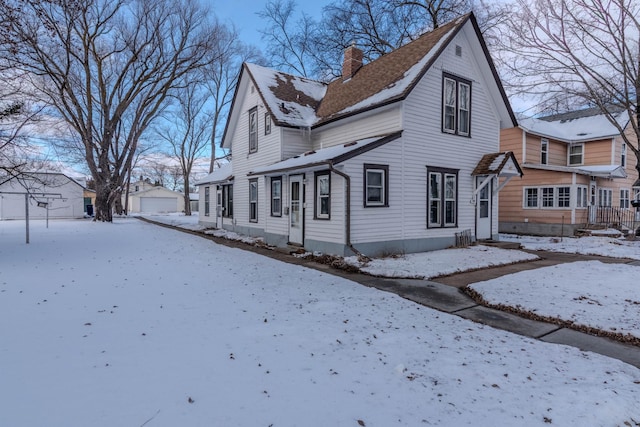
x=156 y=200
x=158 y=204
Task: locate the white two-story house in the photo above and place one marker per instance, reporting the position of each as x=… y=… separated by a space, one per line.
x=396 y=156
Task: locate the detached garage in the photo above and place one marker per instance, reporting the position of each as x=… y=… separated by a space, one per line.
x=156 y=200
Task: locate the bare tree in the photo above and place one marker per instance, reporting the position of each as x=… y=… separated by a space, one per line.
x=186 y=131
x=220 y=78
x=97 y=61
x=577 y=53
x=315 y=49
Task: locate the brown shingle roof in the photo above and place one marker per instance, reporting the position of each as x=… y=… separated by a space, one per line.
x=494 y=163
x=384 y=72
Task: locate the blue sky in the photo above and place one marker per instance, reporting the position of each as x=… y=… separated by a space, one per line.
x=242 y=13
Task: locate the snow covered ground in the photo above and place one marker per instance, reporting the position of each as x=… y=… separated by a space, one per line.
x=592 y=245
x=589 y=293
x=134 y=324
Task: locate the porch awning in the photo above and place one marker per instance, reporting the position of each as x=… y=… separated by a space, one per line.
x=325 y=156
x=502 y=164
x=600 y=171
x=220 y=175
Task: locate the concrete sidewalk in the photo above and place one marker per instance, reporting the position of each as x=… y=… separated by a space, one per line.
x=445 y=294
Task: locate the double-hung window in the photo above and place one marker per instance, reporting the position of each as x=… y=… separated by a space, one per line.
x=582 y=198
x=604 y=197
x=323 y=195
x=624 y=198
x=531 y=198
x=253 y=130
x=253 y=200
x=564 y=197
x=276 y=196
x=376 y=184
x=456 y=105
x=227 y=200
x=576 y=154
x=544 y=151
x=267 y=123
x=206 y=201
x=548 y=195
x=442 y=197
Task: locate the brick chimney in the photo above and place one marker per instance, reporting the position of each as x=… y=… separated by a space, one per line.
x=352 y=61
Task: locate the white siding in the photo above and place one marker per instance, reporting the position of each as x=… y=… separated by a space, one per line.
x=325 y=230
x=359 y=127
x=295 y=142
x=269 y=152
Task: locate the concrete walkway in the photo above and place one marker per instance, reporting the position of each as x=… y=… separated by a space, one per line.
x=445 y=294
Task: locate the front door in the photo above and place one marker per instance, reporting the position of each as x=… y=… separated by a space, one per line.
x=296 y=222
x=593 y=201
x=483 y=211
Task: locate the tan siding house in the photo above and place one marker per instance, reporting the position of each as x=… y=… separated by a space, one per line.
x=576 y=172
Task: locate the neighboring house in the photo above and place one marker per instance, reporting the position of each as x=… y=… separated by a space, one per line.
x=577 y=172
x=155 y=199
x=49 y=194
x=89 y=201
x=380 y=160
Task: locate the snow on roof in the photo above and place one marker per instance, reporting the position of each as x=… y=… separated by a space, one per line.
x=324 y=156
x=604 y=171
x=223 y=173
x=586 y=128
x=292 y=100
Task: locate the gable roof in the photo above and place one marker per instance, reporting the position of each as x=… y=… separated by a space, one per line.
x=576 y=126
x=326 y=156
x=300 y=102
x=501 y=164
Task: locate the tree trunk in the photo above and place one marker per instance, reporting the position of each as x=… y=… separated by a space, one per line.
x=187 y=199
x=103 y=210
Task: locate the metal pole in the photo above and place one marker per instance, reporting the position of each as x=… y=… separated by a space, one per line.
x=26 y=214
x=47 y=209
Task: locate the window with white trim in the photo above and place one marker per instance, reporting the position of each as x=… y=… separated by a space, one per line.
x=576 y=154
x=227 y=200
x=564 y=197
x=323 y=195
x=276 y=196
x=442 y=197
x=267 y=123
x=376 y=183
x=253 y=130
x=604 y=197
x=253 y=200
x=582 y=197
x=531 y=198
x=623 y=156
x=547 y=197
x=456 y=105
x=544 y=151
x=624 y=198
x=206 y=201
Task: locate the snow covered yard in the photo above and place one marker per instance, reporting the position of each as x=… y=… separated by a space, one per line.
x=589 y=245
x=590 y=293
x=134 y=324
x=426 y=265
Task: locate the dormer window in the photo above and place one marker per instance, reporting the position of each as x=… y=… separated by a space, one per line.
x=253 y=130
x=456 y=105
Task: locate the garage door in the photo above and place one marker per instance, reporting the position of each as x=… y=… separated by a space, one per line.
x=158 y=204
